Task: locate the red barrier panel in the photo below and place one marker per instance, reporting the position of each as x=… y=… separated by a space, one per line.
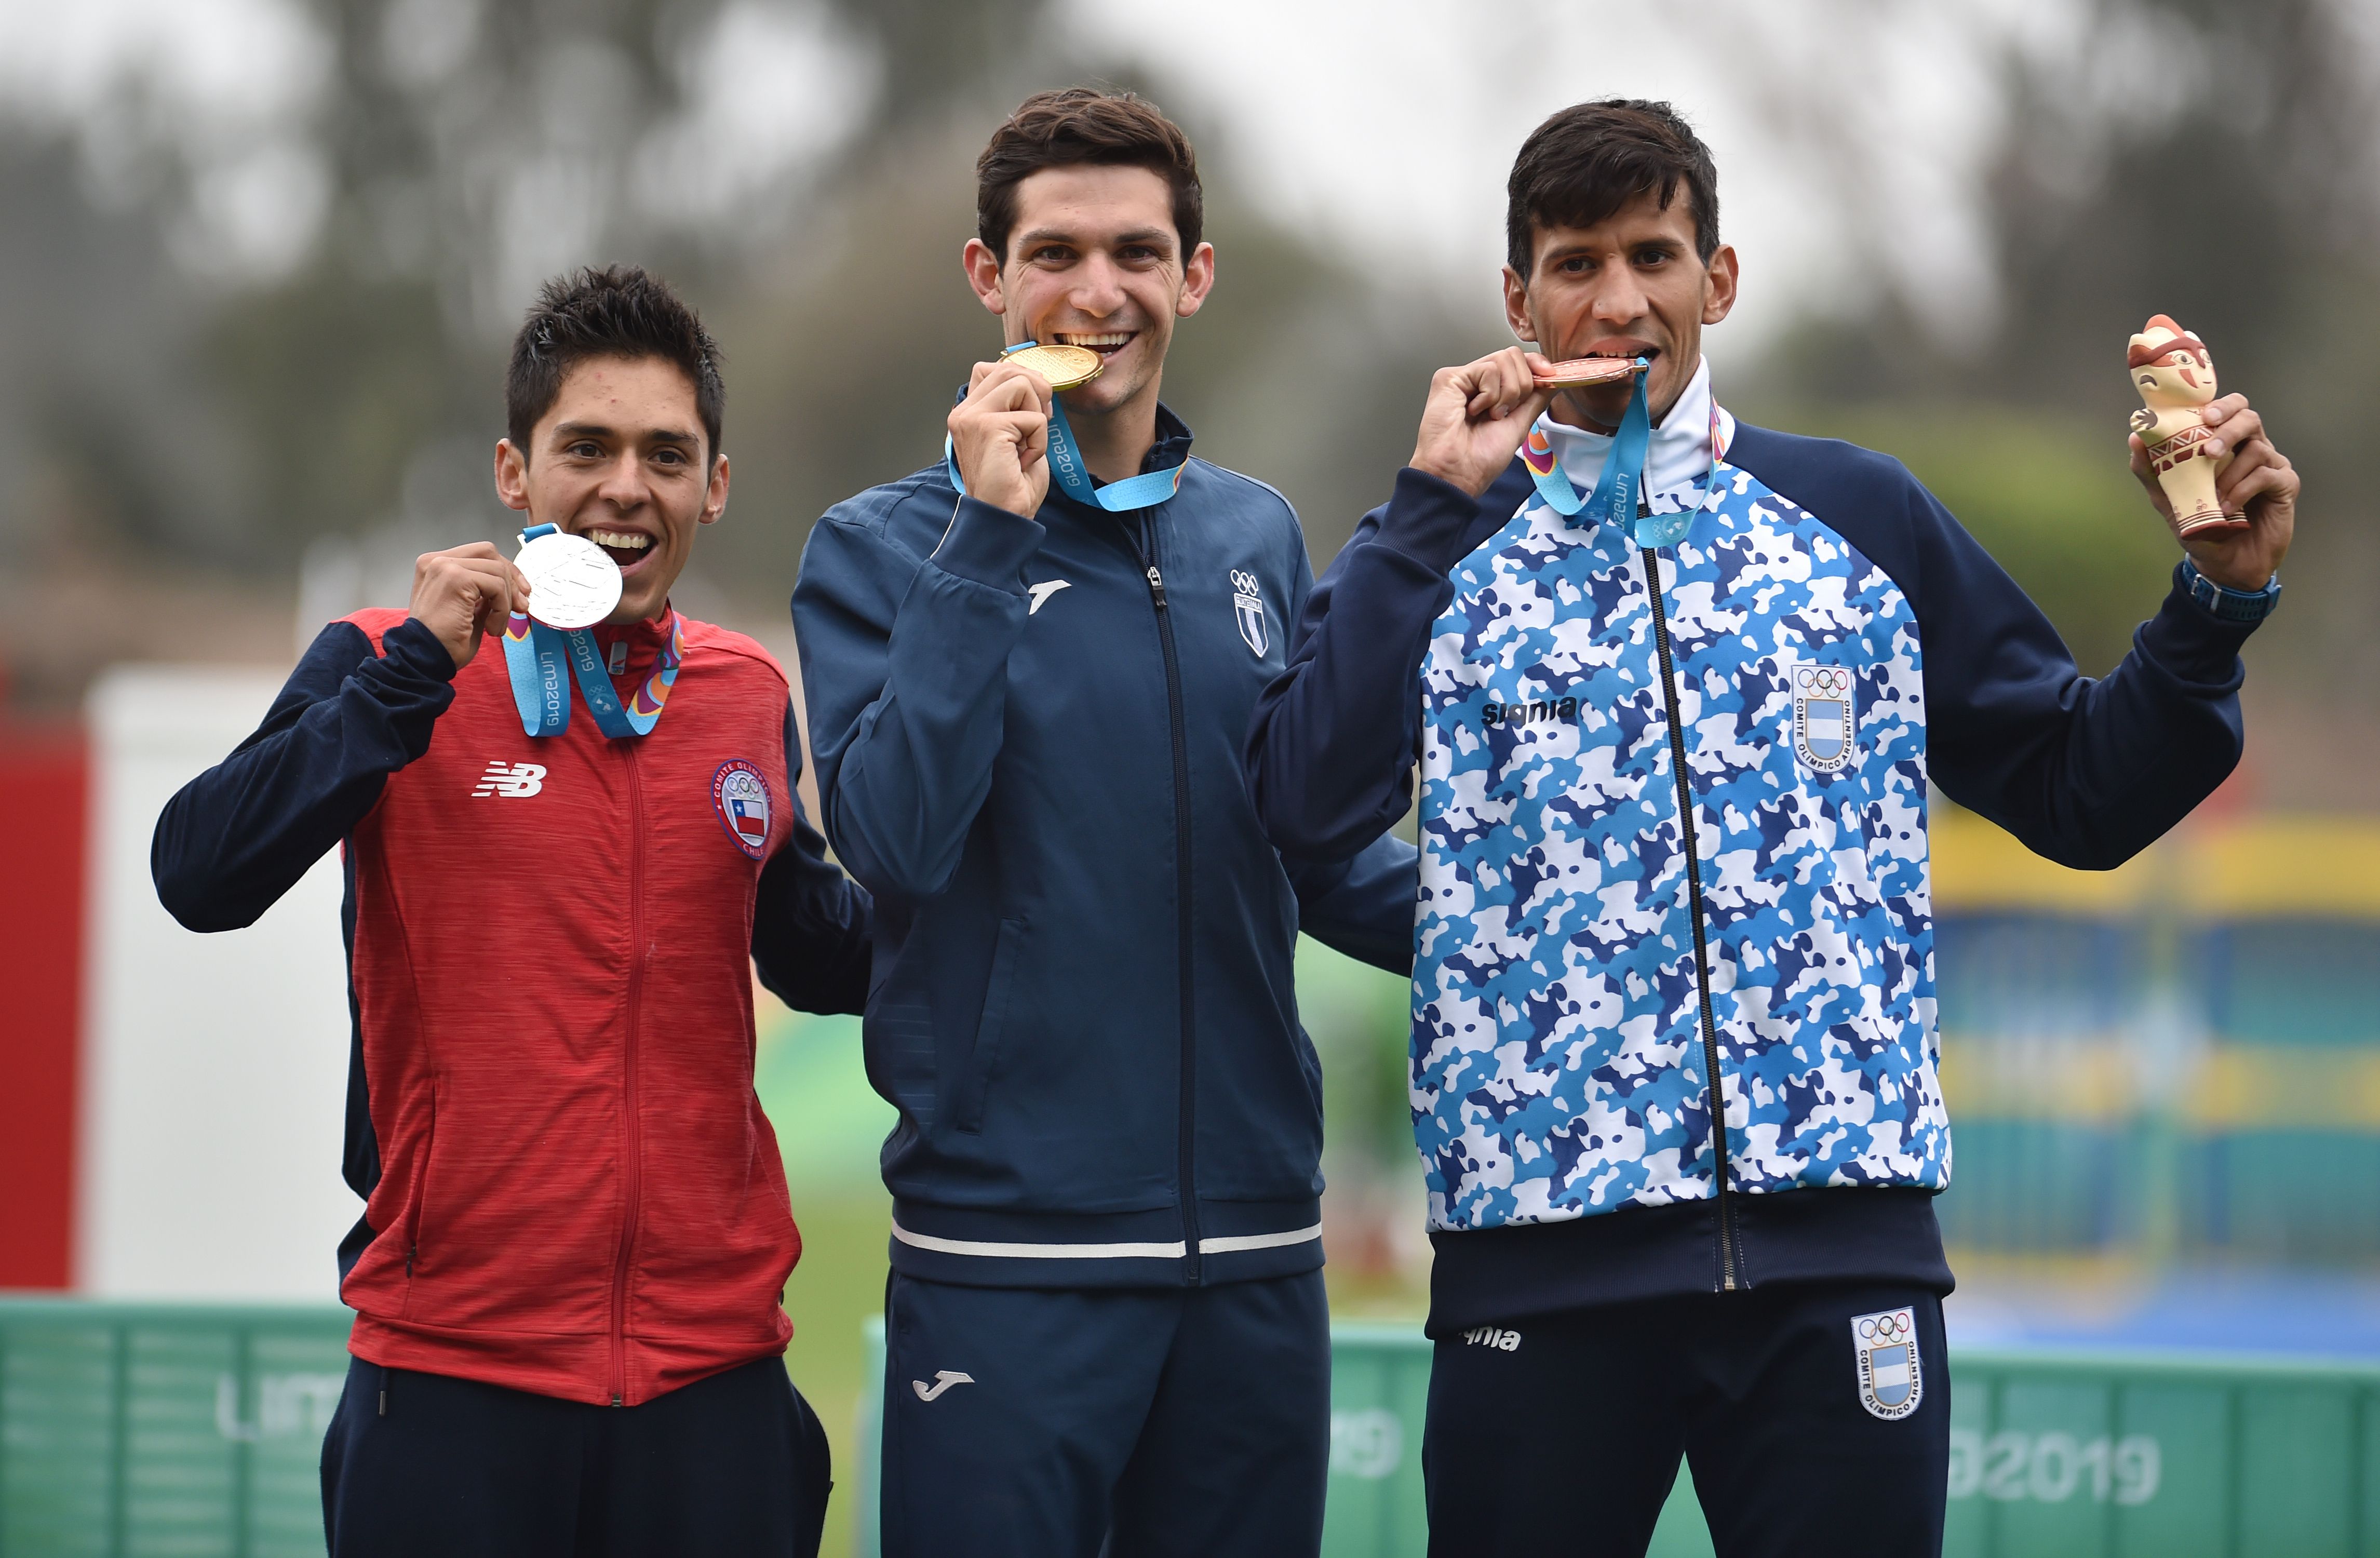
x=45 y=778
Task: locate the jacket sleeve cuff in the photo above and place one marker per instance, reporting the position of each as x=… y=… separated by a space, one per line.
x=1425 y=519
x=2192 y=644
x=412 y=648
x=989 y=545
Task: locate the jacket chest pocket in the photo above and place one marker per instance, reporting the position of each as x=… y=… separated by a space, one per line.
x=983 y=1061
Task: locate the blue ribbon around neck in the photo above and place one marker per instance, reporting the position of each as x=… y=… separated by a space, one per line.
x=1614 y=499
x=538 y=659
x=1145 y=491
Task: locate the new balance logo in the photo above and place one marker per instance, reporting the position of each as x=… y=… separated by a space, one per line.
x=513 y=780
x=1489 y=1336
x=1041 y=593
x=942 y=1382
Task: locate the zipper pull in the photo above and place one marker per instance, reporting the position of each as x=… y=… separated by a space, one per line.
x=1157 y=586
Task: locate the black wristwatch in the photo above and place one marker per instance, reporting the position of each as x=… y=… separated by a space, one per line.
x=2231 y=605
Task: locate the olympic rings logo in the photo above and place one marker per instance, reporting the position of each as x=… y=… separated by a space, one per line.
x=1245 y=583
x=1886 y=1328
x=1826 y=679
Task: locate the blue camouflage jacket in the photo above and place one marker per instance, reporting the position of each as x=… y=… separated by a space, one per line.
x=1674 y=1015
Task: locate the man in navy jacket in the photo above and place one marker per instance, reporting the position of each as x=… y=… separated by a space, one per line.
x=1106 y=1316
x=1674 y=1052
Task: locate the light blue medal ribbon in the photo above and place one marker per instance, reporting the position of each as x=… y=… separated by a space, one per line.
x=1145 y=491
x=538 y=658
x=1613 y=502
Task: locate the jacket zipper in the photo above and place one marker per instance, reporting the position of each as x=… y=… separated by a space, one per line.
x=1694 y=903
x=631 y=1167
x=1186 y=1164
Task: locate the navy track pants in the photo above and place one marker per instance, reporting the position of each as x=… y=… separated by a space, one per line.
x=1561 y=1433
x=735 y=1462
x=1129 y=1423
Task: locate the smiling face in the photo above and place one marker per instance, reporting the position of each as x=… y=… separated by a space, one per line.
x=1627 y=286
x=620 y=460
x=1094 y=260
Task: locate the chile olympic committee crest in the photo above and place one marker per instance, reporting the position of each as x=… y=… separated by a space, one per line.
x=739 y=793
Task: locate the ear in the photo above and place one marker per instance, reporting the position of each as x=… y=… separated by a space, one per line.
x=512 y=476
x=1197 y=280
x=1718 y=300
x=714 y=498
x=1516 y=307
x=982 y=267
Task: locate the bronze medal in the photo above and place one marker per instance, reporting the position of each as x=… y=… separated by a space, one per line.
x=1581 y=371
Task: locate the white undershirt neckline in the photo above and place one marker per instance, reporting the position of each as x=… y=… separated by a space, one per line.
x=1677 y=459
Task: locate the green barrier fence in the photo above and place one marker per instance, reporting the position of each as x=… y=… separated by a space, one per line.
x=130 y=1428
x=2052 y=1456
x=150 y=1429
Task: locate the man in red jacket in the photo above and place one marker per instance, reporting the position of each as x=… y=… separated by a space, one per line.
x=560 y=869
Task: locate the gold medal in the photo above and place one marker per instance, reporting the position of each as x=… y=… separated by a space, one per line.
x=1581 y=371
x=1064 y=367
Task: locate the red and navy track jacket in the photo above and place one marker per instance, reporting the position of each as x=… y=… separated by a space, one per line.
x=570 y=1186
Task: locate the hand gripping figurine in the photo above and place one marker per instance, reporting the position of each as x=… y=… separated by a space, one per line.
x=2175 y=375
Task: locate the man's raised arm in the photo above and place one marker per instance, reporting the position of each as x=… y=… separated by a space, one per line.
x=239 y=835
x=905 y=659
x=1331 y=747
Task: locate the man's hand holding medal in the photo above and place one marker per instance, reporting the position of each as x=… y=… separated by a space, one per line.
x=464 y=594
x=1000 y=435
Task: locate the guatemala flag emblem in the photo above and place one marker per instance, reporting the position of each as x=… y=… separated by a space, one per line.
x=1248 y=606
x=1884 y=1347
x=740 y=796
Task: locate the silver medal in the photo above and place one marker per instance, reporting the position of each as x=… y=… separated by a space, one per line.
x=571 y=582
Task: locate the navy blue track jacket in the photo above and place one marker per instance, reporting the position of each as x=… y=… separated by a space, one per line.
x=1029 y=737
x=1674 y=939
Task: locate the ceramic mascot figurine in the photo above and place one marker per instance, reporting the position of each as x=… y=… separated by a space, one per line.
x=2171 y=369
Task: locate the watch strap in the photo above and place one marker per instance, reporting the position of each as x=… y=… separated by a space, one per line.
x=2227 y=604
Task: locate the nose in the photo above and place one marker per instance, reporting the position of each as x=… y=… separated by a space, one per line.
x=1097 y=289
x=1618 y=301
x=623 y=485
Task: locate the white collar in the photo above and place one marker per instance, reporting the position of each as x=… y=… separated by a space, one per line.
x=1678 y=458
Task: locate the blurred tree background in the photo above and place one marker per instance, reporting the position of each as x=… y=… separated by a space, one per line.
x=238 y=332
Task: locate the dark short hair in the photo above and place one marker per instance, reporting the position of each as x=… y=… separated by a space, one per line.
x=1587 y=162
x=1078 y=125
x=620 y=311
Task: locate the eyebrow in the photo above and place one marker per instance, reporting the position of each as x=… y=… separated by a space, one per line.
x=1564 y=251
x=598 y=429
x=1039 y=236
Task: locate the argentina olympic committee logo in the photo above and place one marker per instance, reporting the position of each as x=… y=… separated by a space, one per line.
x=740 y=795
x=1891 y=1380
x=1825 y=720
x=1248 y=606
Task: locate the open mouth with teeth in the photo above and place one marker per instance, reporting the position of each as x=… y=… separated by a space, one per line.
x=1106 y=343
x=627 y=548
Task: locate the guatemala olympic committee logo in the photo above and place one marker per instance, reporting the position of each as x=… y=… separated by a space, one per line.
x=1885 y=1348
x=1248 y=606
x=1824 y=720
x=740 y=795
